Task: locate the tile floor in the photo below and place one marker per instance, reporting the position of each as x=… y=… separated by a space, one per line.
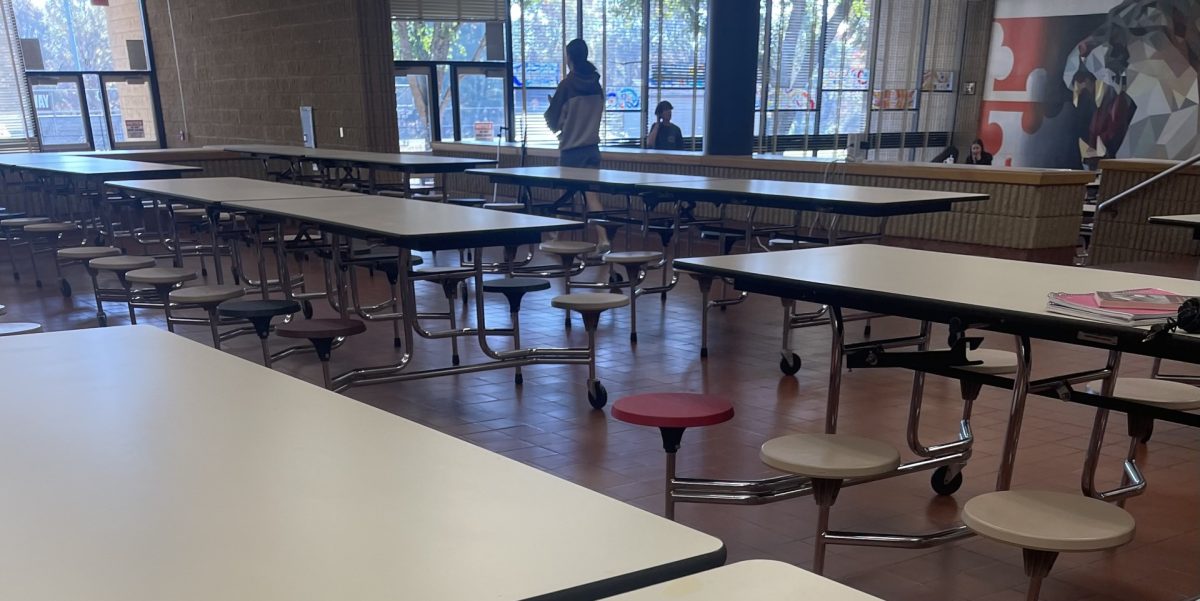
x=547 y=423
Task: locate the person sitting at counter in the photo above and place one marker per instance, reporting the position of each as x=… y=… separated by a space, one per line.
x=978 y=155
x=664 y=135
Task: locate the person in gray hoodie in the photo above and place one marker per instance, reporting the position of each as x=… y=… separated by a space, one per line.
x=574 y=115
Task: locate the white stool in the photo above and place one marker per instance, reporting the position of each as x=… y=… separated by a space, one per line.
x=590 y=306
x=17 y=328
x=635 y=263
x=1044 y=524
x=119 y=265
x=207 y=298
x=81 y=255
x=163 y=280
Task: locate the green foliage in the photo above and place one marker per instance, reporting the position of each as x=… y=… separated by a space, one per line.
x=73 y=34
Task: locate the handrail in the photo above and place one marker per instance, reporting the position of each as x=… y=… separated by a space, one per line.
x=1141 y=185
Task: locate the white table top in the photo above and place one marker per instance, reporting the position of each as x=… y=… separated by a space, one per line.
x=413 y=224
x=216 y=190
x=1192 y=221
x=165 y=469
x=758 y=579
x=899 y=281
x=90 y=166
x=580 y=175
x=402 y=161
x=29 y=158
x=812 y=196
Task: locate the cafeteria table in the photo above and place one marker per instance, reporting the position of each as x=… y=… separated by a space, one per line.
x=966 y=292
x=756 y=579
x=165 y=469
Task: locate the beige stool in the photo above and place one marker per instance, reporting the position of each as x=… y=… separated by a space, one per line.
x=1044 y=524
x=81 y=255
x=119 y=265
x=569 y=253
x=207 y=298
x=163 y=280
x=828 y=460
x=13 y=234
x=635 y=263
x=590 y=306
x=1146 y=391
x=17 y=328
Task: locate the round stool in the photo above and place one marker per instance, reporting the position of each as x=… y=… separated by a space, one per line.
x=163 y=280
x=259 y=313
x=634 y=262
x=672 y=413
x=12 y=229
x=514 y=289
x=590 y=306
x=467 y=202
x=119 y=265
x=81 y=254
x=507 y=207
x=16 y=328
x=828 y=460
x=207 y=298
x=321 y=333
x=567 y=252
x=51 y=232
x=1044 y=524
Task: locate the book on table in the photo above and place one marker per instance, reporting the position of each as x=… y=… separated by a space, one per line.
x=1141 y=298
x=1088 y=306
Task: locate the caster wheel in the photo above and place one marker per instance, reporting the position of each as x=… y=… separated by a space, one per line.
x=790 y=365
x=939 y=484
x=307 y=309
x=102 y=320
x=597 y=395
x=519 y=379
x=64 y=287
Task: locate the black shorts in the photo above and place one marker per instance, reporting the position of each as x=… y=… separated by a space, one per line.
x=583 y=156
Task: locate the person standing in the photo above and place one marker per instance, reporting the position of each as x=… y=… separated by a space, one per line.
x=574 y=115
x=664 y=135
x=978 y=156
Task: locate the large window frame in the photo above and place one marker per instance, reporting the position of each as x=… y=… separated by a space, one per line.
x=102 y=78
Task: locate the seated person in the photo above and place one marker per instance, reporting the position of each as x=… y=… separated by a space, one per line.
x=664 y=135
x=978 y=155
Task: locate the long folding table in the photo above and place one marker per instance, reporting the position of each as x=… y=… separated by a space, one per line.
x=423 y=226
x=165 y=469
x=350 y=160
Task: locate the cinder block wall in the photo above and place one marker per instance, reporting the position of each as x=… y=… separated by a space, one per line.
x=245 y=67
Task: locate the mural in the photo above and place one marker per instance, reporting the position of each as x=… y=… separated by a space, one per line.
x=1075 y=81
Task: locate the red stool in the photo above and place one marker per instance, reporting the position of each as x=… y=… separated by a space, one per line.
x=672 y=413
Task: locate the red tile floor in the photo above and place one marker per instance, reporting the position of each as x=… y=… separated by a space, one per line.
x=547 y=423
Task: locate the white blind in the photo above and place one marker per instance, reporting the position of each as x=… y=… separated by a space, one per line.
x=449 y=10
x=18 y=131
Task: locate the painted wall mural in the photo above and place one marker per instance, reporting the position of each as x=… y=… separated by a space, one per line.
x=1073 y=81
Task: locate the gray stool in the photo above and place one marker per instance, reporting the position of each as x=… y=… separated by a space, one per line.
x=81 y=255
x=207 y=298
x=119 y=265
x=590 y=306
x=163 y=280
x=514 y=289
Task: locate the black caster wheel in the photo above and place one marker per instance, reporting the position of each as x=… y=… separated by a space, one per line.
x=790 y=365
x=307 y=309
x=939 y=484
x=102 y=320
x=597 y=395
x=519 y=379
x=64 y=287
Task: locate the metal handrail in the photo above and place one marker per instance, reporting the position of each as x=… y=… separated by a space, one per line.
x=1177 y=167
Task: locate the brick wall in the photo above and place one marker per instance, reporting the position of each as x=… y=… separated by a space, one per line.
x=247 y=66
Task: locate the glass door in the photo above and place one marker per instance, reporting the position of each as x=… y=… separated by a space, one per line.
x=412 y=109
x=131 y=112
x=61 y=111
x=480 y=102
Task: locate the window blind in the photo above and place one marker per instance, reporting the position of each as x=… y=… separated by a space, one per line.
x=449 y=10
x=18 y=132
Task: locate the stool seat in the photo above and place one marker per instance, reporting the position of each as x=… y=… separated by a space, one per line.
x=1048 y=521
x=830 y=456
x=190 y=214
x=250 y=309
x=4 y=215
x=206 y=294
x=673 y=410
x=17 y=327
x=511 y=207
x=467 y=202
x=50 y=228
x=80 y=253
x=321 y=328
x=567 y=247
x=426 y=196
x=1156 y=393
x=583 y=303
x=633 y=257
x=995 y=362
x=161 y=275
x=508 y=285
x=23 y=221
x=122 y=262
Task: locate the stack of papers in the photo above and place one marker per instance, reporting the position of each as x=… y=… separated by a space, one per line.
x=1156 y=306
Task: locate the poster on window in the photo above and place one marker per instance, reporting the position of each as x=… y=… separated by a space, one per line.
x=893 y=100
x=135 y=129
x=537 y=75
x=937 y=81
x=1075 y=81
x=623 y=99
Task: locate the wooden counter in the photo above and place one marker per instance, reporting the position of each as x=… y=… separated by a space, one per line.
x=1123 y=233
x=1031 y=214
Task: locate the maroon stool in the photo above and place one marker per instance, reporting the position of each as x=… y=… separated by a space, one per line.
x=672 y=413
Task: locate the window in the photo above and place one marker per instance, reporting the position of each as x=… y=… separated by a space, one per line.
x=540 y=32
x=678 y=48
x=17 y=130
x=89 y=73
